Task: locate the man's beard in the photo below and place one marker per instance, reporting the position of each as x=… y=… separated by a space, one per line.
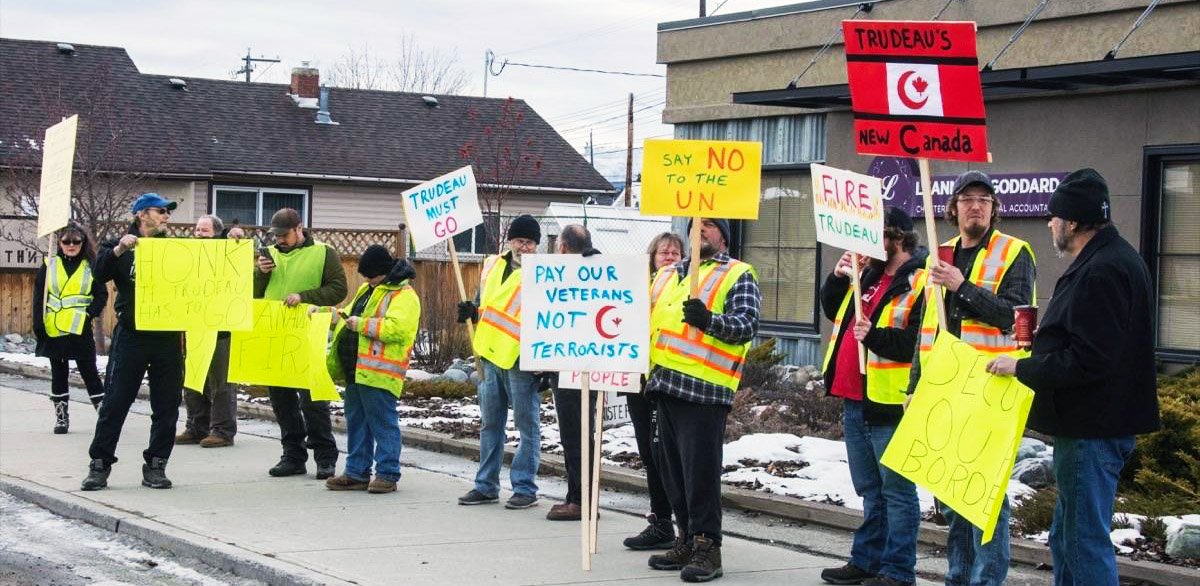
x=974 y=231
x=707 y=249
x=1060 y=241
x=516 y=257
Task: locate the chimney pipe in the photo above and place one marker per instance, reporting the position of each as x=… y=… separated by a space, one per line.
x=323 y=108
x=306 y=81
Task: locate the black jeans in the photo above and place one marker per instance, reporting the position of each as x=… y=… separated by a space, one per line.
x=691 y=443
x=643 y=411
x=303 y=424
x=215 y=411
x=132 y=354
x=566 y=405
x=60 y=375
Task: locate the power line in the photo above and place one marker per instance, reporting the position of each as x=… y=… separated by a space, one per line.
x=599 y=123
x=578 y=69
x=595 y=110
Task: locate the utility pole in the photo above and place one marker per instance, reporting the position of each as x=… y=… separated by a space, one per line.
x=703 y=10
x=487 y=69
x=591 y=148
x=629 y=155
x=249 y=62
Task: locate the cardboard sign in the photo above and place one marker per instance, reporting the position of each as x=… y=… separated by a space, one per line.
x=620 y=382
x=701 y=178
x=848 y=208
x=616 y=411
x=286 y=348
x=442 y=208
x=185 y=284
x=585 y=313
x=58 y=162
x=915 y=89
x=960 y=434
x=200 y=348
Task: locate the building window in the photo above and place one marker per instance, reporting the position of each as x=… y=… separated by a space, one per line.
x=782 y=246
x=787 y=140
x=255 y=205
x=480 y=239
x=1172 y=247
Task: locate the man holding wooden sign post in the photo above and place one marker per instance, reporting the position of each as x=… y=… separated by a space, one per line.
x=881 y=325
x=704 y=317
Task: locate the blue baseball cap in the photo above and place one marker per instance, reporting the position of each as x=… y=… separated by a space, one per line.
x=152 y=200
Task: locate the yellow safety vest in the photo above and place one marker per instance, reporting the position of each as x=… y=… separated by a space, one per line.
x=387 y=332
x=991 y=264
x=887 y=380
x=683 y=348
x=67 y=298
x=498 y=333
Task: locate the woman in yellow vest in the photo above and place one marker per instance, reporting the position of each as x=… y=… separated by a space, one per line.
x=66 y=298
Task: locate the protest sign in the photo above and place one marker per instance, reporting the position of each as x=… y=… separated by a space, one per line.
x=58 y=161
x=616 y=411
x=848 y=208
x=194 y=284
x=701 y=178
x=584 y=314
x=959 y=435
x=201 y=344
x=915 y=89
x=441 y=208
x=286 y=348
x=620 y=382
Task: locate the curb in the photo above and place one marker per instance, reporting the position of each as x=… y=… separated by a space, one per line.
x=226 y=557
x=1023 y=551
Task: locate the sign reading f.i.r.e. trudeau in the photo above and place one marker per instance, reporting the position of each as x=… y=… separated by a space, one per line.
x=915 y=89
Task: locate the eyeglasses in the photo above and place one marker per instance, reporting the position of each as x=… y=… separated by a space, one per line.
x=970 y=201
x=70 y=242
x=163 y=211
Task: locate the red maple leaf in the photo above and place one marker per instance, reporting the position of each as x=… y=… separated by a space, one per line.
x=920 y=84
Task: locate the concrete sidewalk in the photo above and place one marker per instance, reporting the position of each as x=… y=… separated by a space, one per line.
x=293 y=530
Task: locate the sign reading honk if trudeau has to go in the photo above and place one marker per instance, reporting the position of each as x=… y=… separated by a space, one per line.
x=848 y=208
x=442 y=208
x=701 y=178
x=585 y=314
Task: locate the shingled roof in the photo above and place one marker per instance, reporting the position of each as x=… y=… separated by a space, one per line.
x=132 y=121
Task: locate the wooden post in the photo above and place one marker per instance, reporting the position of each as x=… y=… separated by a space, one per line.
x=694 y=267
x=858 y=312
x=400 y=247
x=594 y=511
x=934 y=294
x=462 y=290
x=585 y=484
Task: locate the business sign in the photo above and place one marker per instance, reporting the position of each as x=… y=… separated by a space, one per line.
x=915 y=89
x=848 y=209
x=442 y=208
x=585 y=314
x=1021 y=195
x=701 y=178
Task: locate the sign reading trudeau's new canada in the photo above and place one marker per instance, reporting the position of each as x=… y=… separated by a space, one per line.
x=915 y=89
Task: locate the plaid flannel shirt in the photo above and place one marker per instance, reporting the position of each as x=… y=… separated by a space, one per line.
x=736 y=324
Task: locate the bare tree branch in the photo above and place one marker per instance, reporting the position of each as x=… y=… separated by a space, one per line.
x=413 y=69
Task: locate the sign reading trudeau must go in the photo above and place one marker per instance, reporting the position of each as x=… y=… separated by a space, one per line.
x=915 y=89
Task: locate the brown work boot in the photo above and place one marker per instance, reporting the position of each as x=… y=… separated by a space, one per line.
x=344 y=482
x=187 y=437
x=380 y=486
x=565 y=512
x=675 y=558
x=216 y=441
x=705 y=564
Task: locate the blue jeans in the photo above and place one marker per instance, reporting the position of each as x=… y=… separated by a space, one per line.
x=1086 y=471
x=499 y=389
x=972 y=564
x=886 y=542
x=372 y=433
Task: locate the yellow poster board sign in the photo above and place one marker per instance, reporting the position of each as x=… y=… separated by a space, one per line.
x=701 y=178
x=960 y=434
x=188 y=284
x=286 y=348
x=58 y=163
x=201 y=344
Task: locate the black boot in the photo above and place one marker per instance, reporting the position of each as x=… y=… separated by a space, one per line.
x=97 y=477
x=154 y=473
x=659 y=534
x=61 y=419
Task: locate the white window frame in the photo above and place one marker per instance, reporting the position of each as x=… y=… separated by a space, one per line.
x=258 y=200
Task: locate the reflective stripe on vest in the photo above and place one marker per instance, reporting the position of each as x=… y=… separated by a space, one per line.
x=67 y=298
x=374 y=360
x=887 y=380
x=498 y=333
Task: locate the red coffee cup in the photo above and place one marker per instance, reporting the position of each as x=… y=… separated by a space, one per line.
x=1024 y=322
x=946 y=254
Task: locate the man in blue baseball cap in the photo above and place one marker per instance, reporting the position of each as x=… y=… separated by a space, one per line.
x=132 y=354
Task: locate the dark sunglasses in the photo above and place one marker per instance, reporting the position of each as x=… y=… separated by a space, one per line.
x=162 y=210
x=71 y=242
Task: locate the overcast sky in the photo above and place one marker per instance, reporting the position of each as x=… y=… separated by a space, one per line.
x=208 y=38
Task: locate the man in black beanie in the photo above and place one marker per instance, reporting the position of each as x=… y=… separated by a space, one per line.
x=1093 y=374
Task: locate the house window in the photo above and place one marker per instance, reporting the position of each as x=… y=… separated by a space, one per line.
x=255 y=205
x=1172 y=247
x=480 y=239
x=782 y=246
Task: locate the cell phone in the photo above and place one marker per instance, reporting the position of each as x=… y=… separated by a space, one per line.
x=264 y=250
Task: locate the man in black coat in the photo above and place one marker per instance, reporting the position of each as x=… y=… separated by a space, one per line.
x=1093 y=374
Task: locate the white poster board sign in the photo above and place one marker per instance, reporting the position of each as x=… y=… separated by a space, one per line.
x=58 y=161
x=848 y=208
x=620 y=382
x=585 y=314
x=442 y=208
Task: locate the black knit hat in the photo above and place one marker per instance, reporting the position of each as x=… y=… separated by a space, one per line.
x=897 y=218
x=973 y=178
x=1082 y=197
x=525 y=226
x=722 y=225
x=375 y=261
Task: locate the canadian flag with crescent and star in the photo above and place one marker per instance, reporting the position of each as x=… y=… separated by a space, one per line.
x=915 y=89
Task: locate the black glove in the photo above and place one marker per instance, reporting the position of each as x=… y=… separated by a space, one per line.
x=696 y=314
x=590 y=252
x=467 y=311
x=547 y=381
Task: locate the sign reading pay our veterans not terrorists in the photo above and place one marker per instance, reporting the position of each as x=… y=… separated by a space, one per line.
x=194 y=284
x=848 y=208
x=442 y=208
x=960 y=434
x=701 y=178
x=585 y=314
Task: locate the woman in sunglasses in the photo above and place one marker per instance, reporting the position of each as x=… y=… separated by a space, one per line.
x=66 y=298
